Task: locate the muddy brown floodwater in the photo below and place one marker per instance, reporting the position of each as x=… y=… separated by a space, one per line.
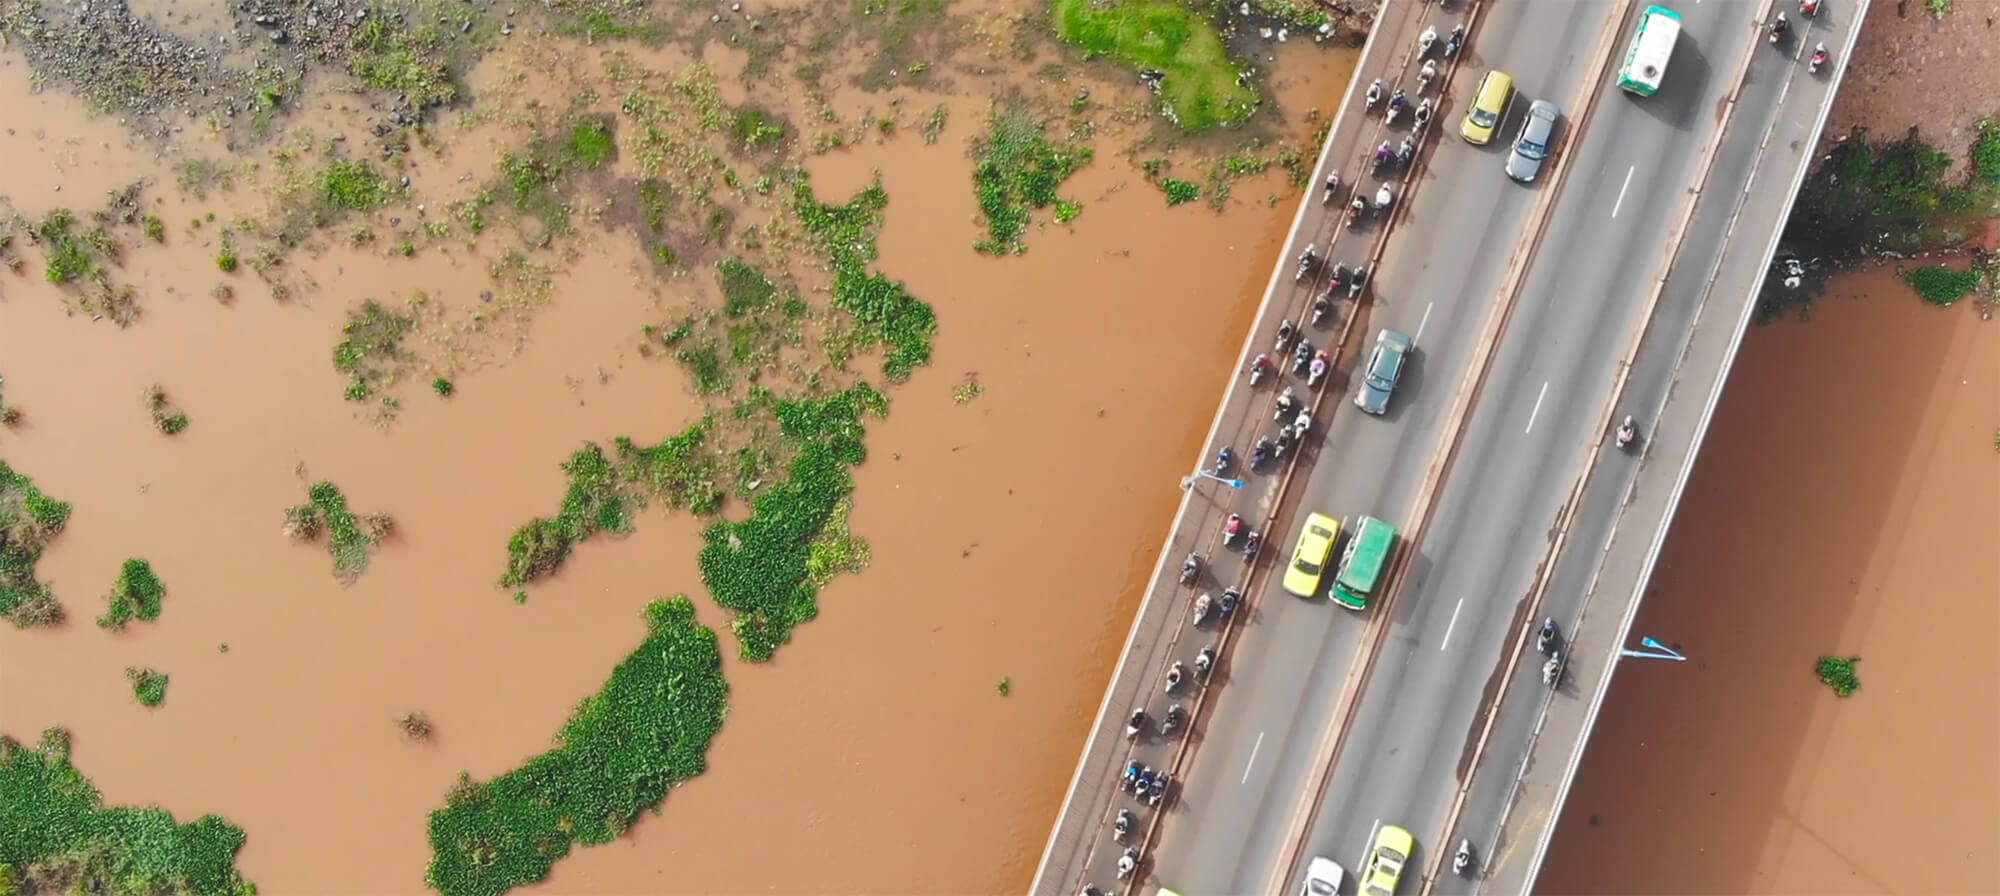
x=1843 y=504
x=1011 y=534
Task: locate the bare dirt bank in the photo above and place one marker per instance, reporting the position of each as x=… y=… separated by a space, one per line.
x=1843 y=504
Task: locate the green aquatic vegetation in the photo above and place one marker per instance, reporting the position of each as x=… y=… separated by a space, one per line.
x=1199 y=89
x=1943 y=286
x=594 y=502
x=647 y=729
x=156 y=229
x=532 y=182
x=884 y=311
x=442 y=387
x=763 y=568
x=1179 y=191
x=57 y=836
x=72 y=254
x=351 y=186
x=28 y=520
x=371 y=350
x=752 y=128
x=149 y=687
x=167 y=416
x=1837 y=672
x=350 y=538
x=680 y=472
x=1018 y=170
x=135 y=595
x=405 y=60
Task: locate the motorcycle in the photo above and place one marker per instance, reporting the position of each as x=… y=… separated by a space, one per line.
x=1286 y=330
x=1332 y=188
x=1190 y=568
x=1204 y=609
x=1175 y=718
x=1426 y=75
x=1305 y=264
x=1426 y=41
x=1455 y=42
x=1261 y=454
x=1374 y=95
x=1204 y=663
x=1397 y=103
x=1406 y=153
x=1252 y=542
x=1818 y=59
x=1780 y=26
x=1795 y=273
x=1128 y=863
x=1224 y=461
x=1259 y=367
x=1383 y=199
x=1134 y=724
x=1355 y=210
x=1461 y=861
x=1321 y=306
x=1121 y=827
x=1545 y=640
x=1552 y=670
x=1354 y=283
x=1232 y=530
x=1230 y=598
x=1627 y=432
x=1302 y=425
x=1157 y=789
x=1809 y=8
x=1287 y=400
x=1129 y=782
x=1423 y=114
x=1318 y=370
x=1176 y=674
x=1301 y=358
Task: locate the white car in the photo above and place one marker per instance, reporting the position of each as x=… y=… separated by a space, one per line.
x=1323 y=878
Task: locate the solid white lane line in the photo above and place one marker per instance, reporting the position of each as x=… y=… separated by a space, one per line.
x=1621 y=191
x=1454 y=624
x=1422 y=323
x=1370 y=848
x=1538 y=407
x=1253 y=758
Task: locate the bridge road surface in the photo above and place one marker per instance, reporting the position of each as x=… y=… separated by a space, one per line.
x=1692 y=309
x=1445 y=261
x=1080 y=851
x=1544 y=402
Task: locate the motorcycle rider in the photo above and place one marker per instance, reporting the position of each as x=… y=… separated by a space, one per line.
x=1819 y=55
x=1135 y=723
x=1176 y=673
x=1374 y=93
x=1332 y=187
x=1808 y=8
x=1546 y=638
x=1462 y=860
x=1122 y=825
x=1627 y=431
x=1780 y=26
x=1384 y=197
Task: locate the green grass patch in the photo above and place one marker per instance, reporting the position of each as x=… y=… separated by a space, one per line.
x=167 y=416
x=442 y=387
x=156 y=229
x=1018 y=170
x=646 y=730
x=1942 y=286
x=768 y=568
x=884 y=311
x=73 y=253
x=28 y=520
x=1199 y=90
x=135 y=595
x=1837 y=672
x=371 y=349
x=350 y=538
x=149 y=686
x=352 y=186
x=405 y=60
x=534 y=181
x=57 y=836
x=1180 y=191
x=595 y=502
x=752 y=128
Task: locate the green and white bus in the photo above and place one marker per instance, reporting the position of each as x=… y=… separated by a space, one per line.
x=1362 y=564
x=1652 y=47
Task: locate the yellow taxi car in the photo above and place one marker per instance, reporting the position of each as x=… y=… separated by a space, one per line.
x=1309 y=558
x=1393 y=846
x=1488 y=104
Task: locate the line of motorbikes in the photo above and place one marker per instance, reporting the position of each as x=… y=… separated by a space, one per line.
x=1780 y=30
x=1149 y=786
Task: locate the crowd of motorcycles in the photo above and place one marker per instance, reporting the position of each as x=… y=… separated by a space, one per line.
x=1781 y=28
x=1148 y=786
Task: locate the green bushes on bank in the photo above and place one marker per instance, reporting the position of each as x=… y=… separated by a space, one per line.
x=1943 y=286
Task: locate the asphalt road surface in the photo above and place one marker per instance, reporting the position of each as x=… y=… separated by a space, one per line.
x=1542 y=409
x=1437 y=283
x=1759 y=110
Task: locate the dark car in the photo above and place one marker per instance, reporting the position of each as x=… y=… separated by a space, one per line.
x=1385 y=366
x=1524 y=163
